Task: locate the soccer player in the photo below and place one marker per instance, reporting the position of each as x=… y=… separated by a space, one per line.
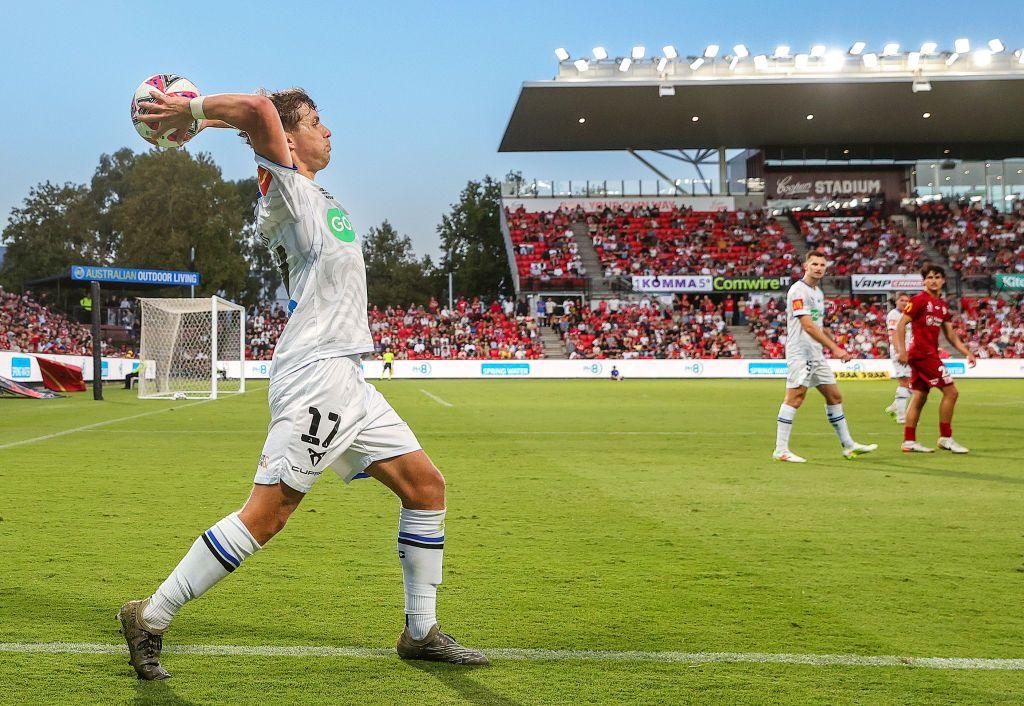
x=927 y=313
x=805 y=340
x=389 y=365
x=323 y=412
x=901 y=371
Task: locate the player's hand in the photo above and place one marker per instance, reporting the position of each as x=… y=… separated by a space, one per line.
x=903 y=358
x=169 y=111
x=844 y=355
x=971 y=360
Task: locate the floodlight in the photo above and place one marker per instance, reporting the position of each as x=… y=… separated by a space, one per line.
x=995 y=46
x=982 y=57
x=625 y=64
x=600 y=53
x=697 y=63
x=562 y=54
x=891 y=49
x=926 y=115
x=638 y=52
x=781 y=52
x=835 y=60
x=801 y=61
x=857 y=48
x=670 y=51
x=928 y=48
x=741 y=51
x=662 y=63
x=695 y=118
x=1020 y=57
x=962 y=45
x=810 y=116
x=733 y=63
x=870 y=60
x=913 y=60
x=711 y=51
x=760 y=62
x=818 y=51
x=581 y=65
x=952 y=58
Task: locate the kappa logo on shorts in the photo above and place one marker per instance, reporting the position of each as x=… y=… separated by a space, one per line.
x=315 y=457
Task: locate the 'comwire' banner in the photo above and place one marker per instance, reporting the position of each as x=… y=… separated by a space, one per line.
x=709 y=283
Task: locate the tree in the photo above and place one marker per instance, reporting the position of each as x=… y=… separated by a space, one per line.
x=393 y=274
x=472 y=245
x=263 y=278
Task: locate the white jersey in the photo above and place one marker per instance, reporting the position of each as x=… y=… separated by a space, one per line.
x=891 y=320
x=803 y=300
x=321 y=260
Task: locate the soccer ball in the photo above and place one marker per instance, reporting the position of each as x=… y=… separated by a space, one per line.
x=180 y=396
x=172 y=85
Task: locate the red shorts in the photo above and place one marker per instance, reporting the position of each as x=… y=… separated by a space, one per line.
x=927 y=373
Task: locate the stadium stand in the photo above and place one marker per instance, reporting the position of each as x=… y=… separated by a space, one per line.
x=647 y=240
x=28 y=324
x=992 y=327
x=860 y=241
x=472 y=329
x=684 y=328
x=263 y=325
x=858 y=326
x=545 y=251
x=975 y=238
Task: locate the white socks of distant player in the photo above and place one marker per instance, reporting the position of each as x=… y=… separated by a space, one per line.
x=902 y=398
x=421 y=550
x=837 y=418
x=785 y=427
x=219 y=551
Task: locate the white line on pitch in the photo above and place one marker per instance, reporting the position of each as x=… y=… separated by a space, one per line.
x=538 y=655
x=96 y=424
x=436 y=398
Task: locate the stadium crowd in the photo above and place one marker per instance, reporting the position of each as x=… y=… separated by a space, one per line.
x=858 y=326
x=29 y=325
x=992 y=327
x=860 y=242
x=545 y=252
x=660 y=327
x=975 y=237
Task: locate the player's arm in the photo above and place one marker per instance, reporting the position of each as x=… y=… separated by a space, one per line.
x=954 y=339
x=900 y=338
x=254 y=115
x=821 y=336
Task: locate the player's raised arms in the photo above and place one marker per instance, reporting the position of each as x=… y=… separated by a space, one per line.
x=254 y=115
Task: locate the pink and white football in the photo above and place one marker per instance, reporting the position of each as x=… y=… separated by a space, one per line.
x=170 y=84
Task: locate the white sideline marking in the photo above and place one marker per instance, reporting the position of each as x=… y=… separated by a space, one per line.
x=536 y=655
x=436 y=398
x=96 y=424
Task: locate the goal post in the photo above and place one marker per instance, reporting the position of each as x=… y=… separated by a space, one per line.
x=192 y=348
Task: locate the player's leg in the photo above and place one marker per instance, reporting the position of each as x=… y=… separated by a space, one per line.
x=391 y=371
x=837 y=418
x=795 y=395
x=914 y=409
x=946 y=407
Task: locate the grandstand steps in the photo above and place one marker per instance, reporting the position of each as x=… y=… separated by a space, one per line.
x=599 y=286
x=748 y=345
x=795 y=237
x=930 y=253
x=554 y=348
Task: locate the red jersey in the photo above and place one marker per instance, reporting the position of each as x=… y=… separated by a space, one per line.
x=927 y=314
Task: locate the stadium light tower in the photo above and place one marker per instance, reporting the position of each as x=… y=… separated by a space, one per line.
x=928 y=48
x=669 y=51
x=995 y=46
x=857 y=48
x=711 y=51
x=962 y=45
x=741 y=51
x=638 y=52
x=562 y=54
x=600 y=54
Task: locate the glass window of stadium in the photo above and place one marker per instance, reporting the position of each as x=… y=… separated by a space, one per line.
x=995 y=181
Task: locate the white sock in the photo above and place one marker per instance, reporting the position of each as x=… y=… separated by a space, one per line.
x=421 y=550
x=902 y=398
x=219 y=551
x=784 y=427
x=837 y=418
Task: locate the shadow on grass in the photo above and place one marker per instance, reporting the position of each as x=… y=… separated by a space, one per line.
x=909 y=469
x=158 y=693
x=460 y=679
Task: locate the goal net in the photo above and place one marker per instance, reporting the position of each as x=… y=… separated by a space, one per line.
x=192 y=348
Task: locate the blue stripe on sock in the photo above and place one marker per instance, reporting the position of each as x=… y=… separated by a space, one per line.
x=227 y=555
x=421 y=538
x=785 y=421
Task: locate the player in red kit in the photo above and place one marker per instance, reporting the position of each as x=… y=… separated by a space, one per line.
x=927 y=313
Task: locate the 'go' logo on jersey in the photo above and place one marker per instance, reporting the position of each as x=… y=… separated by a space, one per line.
x=340 y=225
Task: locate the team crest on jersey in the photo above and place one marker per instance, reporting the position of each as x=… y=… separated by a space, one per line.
x=264 y=177
x=798 y=303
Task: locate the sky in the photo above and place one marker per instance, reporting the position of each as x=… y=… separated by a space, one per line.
x=417 y=94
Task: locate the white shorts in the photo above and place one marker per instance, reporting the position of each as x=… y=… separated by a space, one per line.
x=809 y=373
x=900 y=370
x=325 y=415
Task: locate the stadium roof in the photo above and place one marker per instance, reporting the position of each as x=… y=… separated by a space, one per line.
x=876 y=116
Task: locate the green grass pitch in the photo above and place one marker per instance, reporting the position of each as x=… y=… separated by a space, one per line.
x=583 y=515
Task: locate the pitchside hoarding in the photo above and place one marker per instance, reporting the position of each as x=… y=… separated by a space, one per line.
x=887 y=283
x=1009 y=282
x=709 y=283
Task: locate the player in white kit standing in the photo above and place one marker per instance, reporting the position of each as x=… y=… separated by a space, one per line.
x=323 y=412
x=805 y=343
x=901 y=371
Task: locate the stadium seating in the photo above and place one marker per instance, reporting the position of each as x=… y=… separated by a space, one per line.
x=992 y=327
x=649 y=329
x=975 y=238
x=859 y=241
x=858 y=326
x=648 y=240
x=471 y=330
x=545 y=252
x=29 y=325
x=263 y=326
